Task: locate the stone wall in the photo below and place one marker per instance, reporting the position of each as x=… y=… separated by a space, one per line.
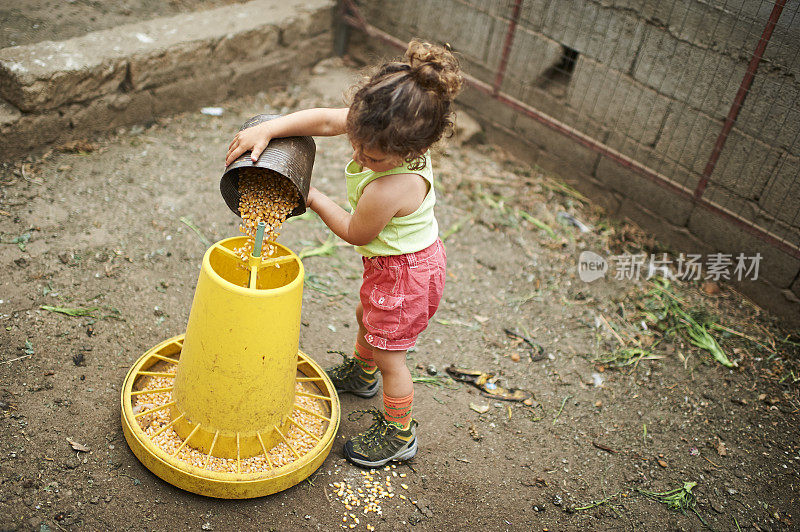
x=54 y=92
x=653 y=80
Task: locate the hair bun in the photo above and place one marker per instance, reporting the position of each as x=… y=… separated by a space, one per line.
x=434 y=68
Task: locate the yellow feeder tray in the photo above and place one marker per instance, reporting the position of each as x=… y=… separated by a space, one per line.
x=233 y=394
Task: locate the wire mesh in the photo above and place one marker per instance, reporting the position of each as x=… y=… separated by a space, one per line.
x=664 y=83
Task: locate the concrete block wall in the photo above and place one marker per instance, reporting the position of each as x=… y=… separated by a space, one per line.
x=53 y=92
x=653 y=80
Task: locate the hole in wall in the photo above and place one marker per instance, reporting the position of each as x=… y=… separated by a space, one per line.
x=556 y=78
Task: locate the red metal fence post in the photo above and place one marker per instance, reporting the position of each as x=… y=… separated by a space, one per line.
x=512 y=28
x=738 y=100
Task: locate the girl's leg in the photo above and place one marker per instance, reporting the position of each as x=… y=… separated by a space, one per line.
x=356 y=375
x=398 y=388
x=363 y=352
x=397 y=439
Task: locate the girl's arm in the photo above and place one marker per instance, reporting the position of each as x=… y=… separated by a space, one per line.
x=320 y=122
x=381 y=200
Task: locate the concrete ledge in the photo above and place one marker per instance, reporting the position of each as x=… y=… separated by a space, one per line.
x=646 y=193
x=677 y=238
x=776 y=267
x=779 y=302
x=127 y=74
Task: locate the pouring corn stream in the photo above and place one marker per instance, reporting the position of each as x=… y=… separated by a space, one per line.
x=264 y=196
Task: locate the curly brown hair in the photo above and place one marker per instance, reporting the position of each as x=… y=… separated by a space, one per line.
x=404 y=108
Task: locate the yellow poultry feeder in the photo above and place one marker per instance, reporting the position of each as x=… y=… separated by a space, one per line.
x=233 y=409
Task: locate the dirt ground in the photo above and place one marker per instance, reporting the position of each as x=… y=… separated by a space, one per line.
x=55 y=20
x=111 y=224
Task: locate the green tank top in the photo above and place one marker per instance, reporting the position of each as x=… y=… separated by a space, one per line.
x=403 y=234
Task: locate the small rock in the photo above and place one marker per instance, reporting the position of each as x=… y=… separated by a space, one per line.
x=515 y=357
x=474 y=434
x=431 y=369
x=557 y=500
x=717 y=507
x=710 y=287
x=662 y=463
x=721 y=449
x=467 y=130
x=538 y=507
x=207 y=526
x=424 y=509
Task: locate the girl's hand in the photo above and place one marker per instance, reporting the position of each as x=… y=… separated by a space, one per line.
x=313 y=194
x=253 y=138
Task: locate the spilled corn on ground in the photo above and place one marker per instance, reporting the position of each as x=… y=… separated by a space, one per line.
x=365 y=500
x=169 y=441
x=264 y=196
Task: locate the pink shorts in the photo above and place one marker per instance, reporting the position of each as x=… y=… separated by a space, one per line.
x=400 y=294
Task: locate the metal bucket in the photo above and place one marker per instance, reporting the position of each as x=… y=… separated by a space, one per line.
x=291 y=157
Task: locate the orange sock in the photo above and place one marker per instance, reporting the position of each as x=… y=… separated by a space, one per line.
x=363 y=355
x=398 y=409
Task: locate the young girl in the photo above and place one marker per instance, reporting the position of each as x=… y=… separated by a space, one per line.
x=394 y=118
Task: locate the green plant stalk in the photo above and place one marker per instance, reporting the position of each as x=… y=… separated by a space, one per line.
x=566 y=189
x=595 y=504
x=441 y=382
x=71 y=311
x=312 y=282
x=698 y=334
x=305 y=216
x=626 y=356
x=455 y=228
x=700 y=337
x=186 y=221
x=680 y=499
x=326 y=249
x=538 y=223
x=561 y=409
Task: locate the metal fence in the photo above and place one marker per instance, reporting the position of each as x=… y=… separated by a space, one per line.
x=701 y=97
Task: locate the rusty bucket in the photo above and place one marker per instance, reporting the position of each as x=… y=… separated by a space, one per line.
x=291 y=157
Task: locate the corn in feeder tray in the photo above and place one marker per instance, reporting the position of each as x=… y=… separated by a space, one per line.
x=251 y=414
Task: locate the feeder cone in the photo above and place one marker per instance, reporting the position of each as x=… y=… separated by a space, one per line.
x=233 y=393
x=236 y=375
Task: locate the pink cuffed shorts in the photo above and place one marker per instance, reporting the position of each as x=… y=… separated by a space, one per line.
x=400 y=294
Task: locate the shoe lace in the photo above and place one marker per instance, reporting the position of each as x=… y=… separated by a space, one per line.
x=375 y=435
x=344 y=368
